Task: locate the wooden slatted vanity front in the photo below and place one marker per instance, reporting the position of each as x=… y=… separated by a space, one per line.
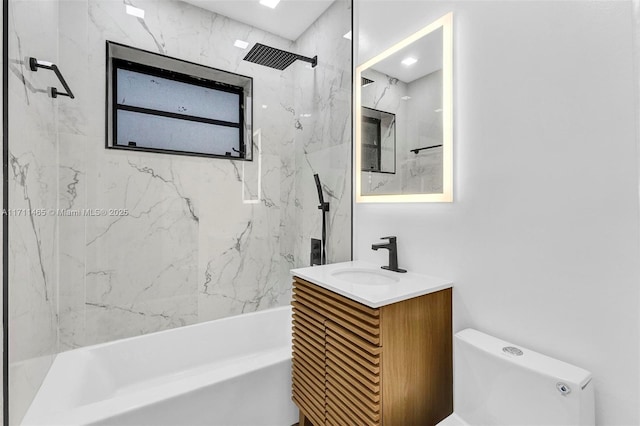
x=354 y=365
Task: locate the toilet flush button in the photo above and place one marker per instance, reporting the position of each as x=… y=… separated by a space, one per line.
x=512 y=350
x=563 y=388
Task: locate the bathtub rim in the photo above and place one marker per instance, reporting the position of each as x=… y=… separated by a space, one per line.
x=39 y=410
x=201 y=324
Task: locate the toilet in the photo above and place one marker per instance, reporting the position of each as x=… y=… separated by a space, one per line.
x=499 y=383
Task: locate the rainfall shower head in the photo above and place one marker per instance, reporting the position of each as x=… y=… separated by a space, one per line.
x=275 y=58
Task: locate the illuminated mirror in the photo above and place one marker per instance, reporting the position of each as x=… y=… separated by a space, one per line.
x=404 y=120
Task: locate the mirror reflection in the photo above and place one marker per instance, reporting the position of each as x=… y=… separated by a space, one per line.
x=403 y=145
x=378 y=141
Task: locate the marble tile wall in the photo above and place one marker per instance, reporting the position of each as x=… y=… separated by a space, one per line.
x=33 y=171
x=323 y=136
x=190 y=249
x=385 y=94
x=198 y=242
x=419 y=124
x=422 y=172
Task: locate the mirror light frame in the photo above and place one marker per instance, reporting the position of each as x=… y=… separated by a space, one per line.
x=446 y=23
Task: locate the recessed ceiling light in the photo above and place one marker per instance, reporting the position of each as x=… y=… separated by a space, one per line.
x=405 y=98
x=134 y=11
x=241 y=44
x=347 y=35
x=270 y=3
x=265 y=106
x=409 y=61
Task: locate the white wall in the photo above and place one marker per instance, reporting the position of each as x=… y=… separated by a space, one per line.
x=542 y=238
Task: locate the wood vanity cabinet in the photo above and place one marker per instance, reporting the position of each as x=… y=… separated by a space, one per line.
x=354 y=365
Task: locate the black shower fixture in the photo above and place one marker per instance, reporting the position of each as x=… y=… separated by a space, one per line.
x=34 y=64
x=417 y=150
x=276 y=58
x=324 y=206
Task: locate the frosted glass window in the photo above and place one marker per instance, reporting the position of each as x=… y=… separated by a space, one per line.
x=162 y=104
x=370 y=148
x=157 y=93
x=171 y=134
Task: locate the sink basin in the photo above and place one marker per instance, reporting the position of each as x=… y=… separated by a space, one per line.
x=364 y=276
x=366 y=283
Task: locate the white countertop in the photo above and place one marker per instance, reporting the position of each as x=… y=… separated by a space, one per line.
x=408 y=284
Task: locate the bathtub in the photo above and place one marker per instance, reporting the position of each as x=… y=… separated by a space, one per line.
x=227 y=372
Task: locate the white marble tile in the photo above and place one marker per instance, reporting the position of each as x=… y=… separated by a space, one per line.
x=323 y=141
x=32 y=247
x=419 y=124
x=190 y=248
x=174 y=201
x=25 y=378
x=72 y=189
x=239 y=246
x=32 y=186
x=105 y=322
x=150 y=252
x=76 y=116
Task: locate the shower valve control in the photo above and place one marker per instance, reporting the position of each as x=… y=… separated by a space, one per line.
x=316 y=252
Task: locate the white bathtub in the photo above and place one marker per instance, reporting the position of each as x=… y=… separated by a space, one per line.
x=228 y=372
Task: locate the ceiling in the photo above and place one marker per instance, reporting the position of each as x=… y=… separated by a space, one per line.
x=427 y=50
x=289 y=19
x=375 y=34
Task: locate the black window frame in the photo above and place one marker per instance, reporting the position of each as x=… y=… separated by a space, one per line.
x=115 y=63
x=378 y=148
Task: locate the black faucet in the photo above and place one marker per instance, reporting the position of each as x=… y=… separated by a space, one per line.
x=393 y=253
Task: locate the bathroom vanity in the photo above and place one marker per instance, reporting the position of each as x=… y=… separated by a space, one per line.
x=371 y=347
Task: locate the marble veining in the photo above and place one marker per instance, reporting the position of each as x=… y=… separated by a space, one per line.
x=419 y=124
x=325 y=135
x=191 y=239
x=32 y=175
x=243 y=251
x=160 y=44
x=168 y=181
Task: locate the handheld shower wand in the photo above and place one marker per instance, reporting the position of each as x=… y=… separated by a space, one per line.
x=324 y=206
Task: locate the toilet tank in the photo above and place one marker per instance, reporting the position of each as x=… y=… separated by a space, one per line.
x=517 y=386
